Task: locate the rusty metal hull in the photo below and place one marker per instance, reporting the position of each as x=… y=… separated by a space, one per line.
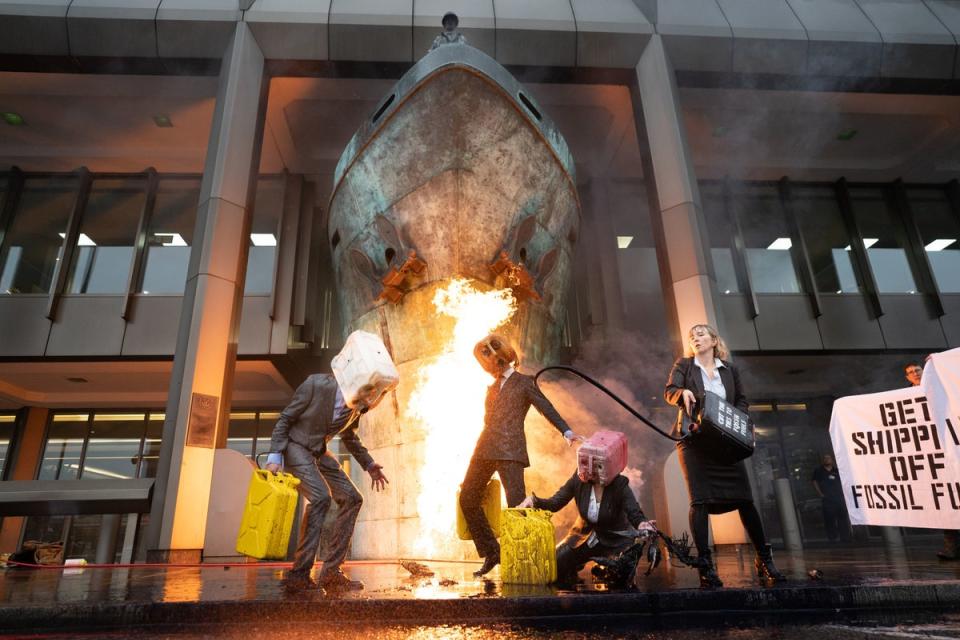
x=458 y=164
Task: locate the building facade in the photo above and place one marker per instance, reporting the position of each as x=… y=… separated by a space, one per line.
x=785 y=170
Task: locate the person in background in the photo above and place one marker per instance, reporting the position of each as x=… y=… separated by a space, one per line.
x=951 y=537
x=502 y=445
x=714 y=486
x=826 y=482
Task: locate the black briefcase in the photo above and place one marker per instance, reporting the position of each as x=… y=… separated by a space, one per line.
x=725 y=431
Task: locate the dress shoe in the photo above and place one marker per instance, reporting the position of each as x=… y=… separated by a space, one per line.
x=298 y=582
x=338 y=581
x=489 y=563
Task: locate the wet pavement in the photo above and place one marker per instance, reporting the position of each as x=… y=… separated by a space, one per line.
x=866 y=586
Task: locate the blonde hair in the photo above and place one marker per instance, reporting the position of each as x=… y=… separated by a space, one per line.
x=720 y=350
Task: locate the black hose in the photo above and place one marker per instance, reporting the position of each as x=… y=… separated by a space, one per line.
x=636 y=414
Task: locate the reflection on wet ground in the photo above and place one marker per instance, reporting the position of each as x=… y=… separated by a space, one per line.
x=19 y=587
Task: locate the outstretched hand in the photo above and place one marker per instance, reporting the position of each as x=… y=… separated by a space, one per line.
x=526 y=504
x=378 y=481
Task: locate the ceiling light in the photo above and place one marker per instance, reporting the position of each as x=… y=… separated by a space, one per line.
x=162 y=120
x=867 y=243
x=12 y=119
x=83 y=241
x=780 y=244
x=940 y=244
x=624 y=241
x=176 y=240
x=847 y=135
x=263 y=239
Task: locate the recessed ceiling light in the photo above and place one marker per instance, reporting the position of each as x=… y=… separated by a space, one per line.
x=624 y=241
x=847 y=135
x=12 y=119
x=162 y=120
x=940 y=244
x=780 y=244
x=176 y=240
x=83 y=241
x=263 y=239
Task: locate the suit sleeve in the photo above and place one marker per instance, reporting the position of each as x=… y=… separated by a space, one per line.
x=739 y=398
x=676 y=383
x=545 y=408
x=634 y=513
x=560 y=499
x=350 y=439
x=301 y=400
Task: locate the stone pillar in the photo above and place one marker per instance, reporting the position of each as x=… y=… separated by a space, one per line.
x=107 y=540
x=199 y=402
x=28 y=452
x=683 y=248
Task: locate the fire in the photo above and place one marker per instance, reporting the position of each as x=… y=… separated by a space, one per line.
x=447 y=402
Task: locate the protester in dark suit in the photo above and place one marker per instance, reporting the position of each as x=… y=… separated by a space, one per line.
x=715 y=487
x=826 y=481
x=502 y=446
x=913 y=372
x=608 y=522
x=314 y=416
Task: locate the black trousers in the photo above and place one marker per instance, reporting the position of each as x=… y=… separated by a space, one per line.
x=573 y=555
x=835 y=520
x=471 y=496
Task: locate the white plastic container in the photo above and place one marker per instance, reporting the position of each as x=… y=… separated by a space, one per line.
x=364 y=370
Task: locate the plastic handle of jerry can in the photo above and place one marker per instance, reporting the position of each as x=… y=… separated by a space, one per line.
x=263 y=473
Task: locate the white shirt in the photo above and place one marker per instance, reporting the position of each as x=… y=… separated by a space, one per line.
x=714 y=384
x=503 y=376
x=593 y=510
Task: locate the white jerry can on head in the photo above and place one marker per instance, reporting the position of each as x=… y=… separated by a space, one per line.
x=364 y=370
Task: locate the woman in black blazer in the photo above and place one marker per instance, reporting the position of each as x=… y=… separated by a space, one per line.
x=714 y=486
x=618 y=519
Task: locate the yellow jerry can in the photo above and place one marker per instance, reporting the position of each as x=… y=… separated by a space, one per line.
x=527 y=553
x=268 y=515
x=491 y=509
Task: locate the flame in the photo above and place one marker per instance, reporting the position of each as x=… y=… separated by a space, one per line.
x=447 y=402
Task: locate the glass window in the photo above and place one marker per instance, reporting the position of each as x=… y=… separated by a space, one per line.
x=720 y=231
x=104 y=252
x=64 y=446
x=150 y=457
x=264 y=234
x=828 y=242
x=242 y=432
x=940 y=231
x=170 y=235
x=113 y=449
x=766 y=239
x=8 y=425
x=886 y=241
x=268 y=419
x=33 y=242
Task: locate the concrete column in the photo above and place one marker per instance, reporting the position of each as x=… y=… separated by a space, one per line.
x=199 y=402
x=28 y=452
x=792 y=539
x=107 y=540
x=606 y=241
x=683 y=248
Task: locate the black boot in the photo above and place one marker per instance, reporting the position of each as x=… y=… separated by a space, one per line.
x=489 y=562
x=708 y=572
x=766 y=570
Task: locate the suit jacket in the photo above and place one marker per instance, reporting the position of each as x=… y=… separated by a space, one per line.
x=686 y=375
x=619 y=511
x=502 y=437
x=308 y=422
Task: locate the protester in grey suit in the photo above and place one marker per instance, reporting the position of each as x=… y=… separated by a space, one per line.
x=314 y=416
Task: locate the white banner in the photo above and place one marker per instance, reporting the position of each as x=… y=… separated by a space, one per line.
x=898 y=452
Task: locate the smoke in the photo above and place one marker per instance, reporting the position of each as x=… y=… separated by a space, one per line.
x=628 y=364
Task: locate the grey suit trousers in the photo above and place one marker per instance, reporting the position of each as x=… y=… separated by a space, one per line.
x=320 y=482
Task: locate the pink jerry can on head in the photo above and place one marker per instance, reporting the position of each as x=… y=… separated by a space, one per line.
x=602 y=457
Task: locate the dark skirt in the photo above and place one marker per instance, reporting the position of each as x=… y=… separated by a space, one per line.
x=719 y=485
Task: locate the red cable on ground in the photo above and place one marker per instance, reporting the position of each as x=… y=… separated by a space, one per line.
x=161 y=565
